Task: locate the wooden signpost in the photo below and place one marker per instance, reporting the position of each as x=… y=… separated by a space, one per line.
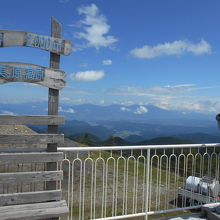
x=24 y=72
x=53 y=100
x=28 y=39
x=54 y=79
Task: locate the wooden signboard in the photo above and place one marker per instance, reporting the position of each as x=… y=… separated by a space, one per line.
x=24 y=72
x=29 y=39
x=54 y=79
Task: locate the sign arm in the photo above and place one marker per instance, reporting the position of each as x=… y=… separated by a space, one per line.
x=31 y=73
x=28 y=39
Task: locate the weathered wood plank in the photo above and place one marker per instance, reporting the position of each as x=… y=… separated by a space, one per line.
x=32 y=73
x=34 y=211
x=9 y=158
x=53 y=99
x=28 y=39
x=31 y=120
x=30 y=177
x=30 y=197
x=21 y=149
x=31 y=138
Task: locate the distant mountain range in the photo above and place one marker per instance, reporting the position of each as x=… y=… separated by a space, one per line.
x=136 y=132
x=137 y=113
x=133 y=123
x=92 y=140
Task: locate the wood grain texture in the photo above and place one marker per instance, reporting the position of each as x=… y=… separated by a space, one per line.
x=21 y=149
x=31 y=138
x=30 y=177
x=51 y=77
x=53 y=103
x=34 y=211
x=31 y=120
x=53 y=99
x=22 y=38
x=30 y=197
x=10 y=158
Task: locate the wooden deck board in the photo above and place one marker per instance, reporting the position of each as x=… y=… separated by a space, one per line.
x=34 y=211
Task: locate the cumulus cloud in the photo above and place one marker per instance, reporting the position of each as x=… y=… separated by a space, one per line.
x=190 y=103
x=95 y=28
x=65 y=99
x=90 y=75
x=73 y=101
x=102 y=102
x=83 y=65
x=127 y=103
x=141 y=110
x=4 y=112
x=69 y=110
x=125 y=109
x=156 y=90
x=172 y=48
x=176 y=97
x=107 y=62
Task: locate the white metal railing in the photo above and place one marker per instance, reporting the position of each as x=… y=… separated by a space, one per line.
x=130 y=181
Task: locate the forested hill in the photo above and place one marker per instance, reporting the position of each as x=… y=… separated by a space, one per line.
x=92 y=140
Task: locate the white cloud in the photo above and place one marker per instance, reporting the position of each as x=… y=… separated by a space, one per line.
x=125 y=109
x=155 y=91
x=73 y=101
x=83 y=65
x=107 y=62
x=95 y=28
x=90 y=75
x=7 y=113
x=176 y=97
x=189 y=103
x=127 y=103
x=70 y=101
x=141 y=110
x=102 y=102
x=78 y=101
x=175 y=104
x=65 y=99
x=174 y=48
x=69 y=110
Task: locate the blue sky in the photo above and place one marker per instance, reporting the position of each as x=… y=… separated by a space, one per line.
x=160 y=52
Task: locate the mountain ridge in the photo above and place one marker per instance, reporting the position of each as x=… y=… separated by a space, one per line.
x=140 y=121
x=92 y=140
x=115 y=112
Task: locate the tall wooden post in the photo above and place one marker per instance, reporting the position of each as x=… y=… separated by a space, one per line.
x=53 y=101
x=53 y=98
x=50 y=203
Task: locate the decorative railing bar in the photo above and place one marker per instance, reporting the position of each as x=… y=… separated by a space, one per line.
x=118 y=182
x=138 y=147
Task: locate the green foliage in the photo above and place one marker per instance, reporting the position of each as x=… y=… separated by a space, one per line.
x=116 y=141
x=87 y=139
x=166 y=140
x=92 y=140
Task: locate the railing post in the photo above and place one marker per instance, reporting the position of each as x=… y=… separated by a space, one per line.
x=147 y=185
